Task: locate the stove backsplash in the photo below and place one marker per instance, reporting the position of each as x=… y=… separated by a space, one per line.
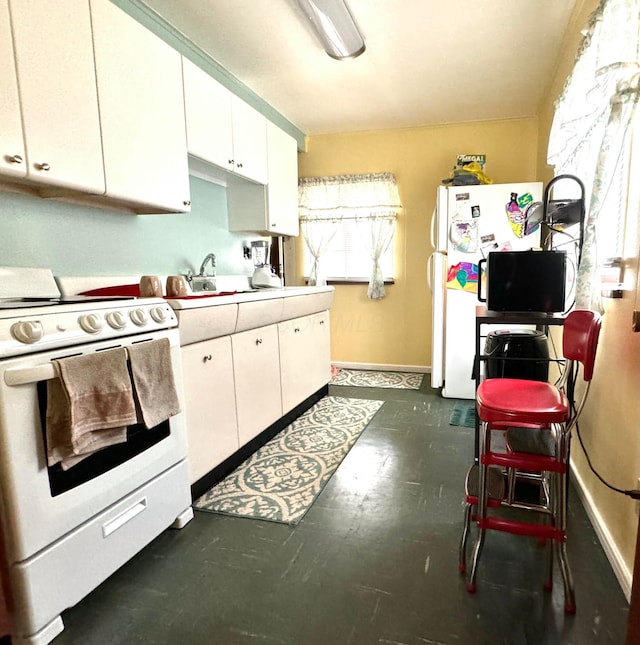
x=78 y=240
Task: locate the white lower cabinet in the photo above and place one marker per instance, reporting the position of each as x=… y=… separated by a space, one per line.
x=210 y=401
x=305 y=363
x=256 y=364
x=236 y=386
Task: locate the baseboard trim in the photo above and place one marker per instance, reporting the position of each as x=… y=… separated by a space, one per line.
x=421 y=369
x=620 y=569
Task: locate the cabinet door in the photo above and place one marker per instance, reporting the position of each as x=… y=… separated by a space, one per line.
x=256 y=368
x=208 y=113
x=282 y=187
x=210 y=404
x=12 y=151
x=141 y=112
x=57 y=87
x=249 y=141
x=305 y=360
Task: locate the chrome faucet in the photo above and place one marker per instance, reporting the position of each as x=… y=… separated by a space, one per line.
x=211 y=257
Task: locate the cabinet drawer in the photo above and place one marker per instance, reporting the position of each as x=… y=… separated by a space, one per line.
x=295 y=306
x=259 y=313
x=203 y=323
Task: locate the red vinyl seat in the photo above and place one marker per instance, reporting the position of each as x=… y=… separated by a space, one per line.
x=536 y=419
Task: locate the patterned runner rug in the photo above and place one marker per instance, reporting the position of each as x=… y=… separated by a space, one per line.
x=370 y=378
x=281 y=480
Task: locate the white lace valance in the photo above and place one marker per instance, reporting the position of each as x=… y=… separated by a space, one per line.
x=367 y=195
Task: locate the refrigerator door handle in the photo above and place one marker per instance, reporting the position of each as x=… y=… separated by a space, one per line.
x=432 y=232
x=438 y=266
x=430 y=273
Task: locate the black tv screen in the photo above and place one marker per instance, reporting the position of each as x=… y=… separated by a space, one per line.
x=526 y=281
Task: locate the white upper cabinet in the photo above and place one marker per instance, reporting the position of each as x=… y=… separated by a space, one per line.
x=270 y=209
x=221 y=128
x=249 y=141
x=12 y=151
x=140 y=93
x=57 y=94
x=208 y=111
x=282 y=187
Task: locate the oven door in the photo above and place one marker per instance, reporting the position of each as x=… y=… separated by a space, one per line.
x=36 y=508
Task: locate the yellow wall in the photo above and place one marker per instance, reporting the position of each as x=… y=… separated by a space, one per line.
x=610 y=424
x=396 y=331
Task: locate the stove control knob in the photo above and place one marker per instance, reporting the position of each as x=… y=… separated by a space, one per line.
x=116 y=320
x=158 y=314
x=27 y=331
x=139 y=317
x=91 y=323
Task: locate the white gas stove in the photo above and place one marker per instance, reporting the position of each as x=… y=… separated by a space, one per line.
x=64 y=531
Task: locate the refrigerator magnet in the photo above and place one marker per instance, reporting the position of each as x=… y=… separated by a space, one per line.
x=463 y=276
x=463 y=235
x=475 y=211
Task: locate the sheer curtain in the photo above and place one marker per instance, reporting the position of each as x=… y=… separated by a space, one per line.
x=372 y=200
x=377 y=235
x=591 y=128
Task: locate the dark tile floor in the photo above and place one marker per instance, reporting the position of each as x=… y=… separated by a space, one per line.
x=374 y=561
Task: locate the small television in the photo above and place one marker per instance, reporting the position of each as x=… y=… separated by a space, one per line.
x=525 y=281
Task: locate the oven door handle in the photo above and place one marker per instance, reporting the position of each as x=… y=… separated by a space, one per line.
x=27 y=375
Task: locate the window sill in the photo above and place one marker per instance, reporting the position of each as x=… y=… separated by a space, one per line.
x=340 y=281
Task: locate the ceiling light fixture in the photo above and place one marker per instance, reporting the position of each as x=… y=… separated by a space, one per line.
x=335 y=27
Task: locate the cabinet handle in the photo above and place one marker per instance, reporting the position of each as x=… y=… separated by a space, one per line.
x=206 y=357
x=322 y=322
x=296 y=329
x=187 y=202
x=15 y=159
x=230 y=162
x=258 y=341
x=43 y=166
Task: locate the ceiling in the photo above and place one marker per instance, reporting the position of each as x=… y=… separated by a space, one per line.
x=427 y=61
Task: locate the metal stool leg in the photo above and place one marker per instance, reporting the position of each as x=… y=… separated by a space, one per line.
x=482 y=505
x=462 y=558
x=549 y=544
x=567 y=578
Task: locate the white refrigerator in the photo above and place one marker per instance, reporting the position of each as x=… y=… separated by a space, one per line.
x=468 y=223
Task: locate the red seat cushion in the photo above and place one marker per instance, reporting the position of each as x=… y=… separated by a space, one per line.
x=507 y=400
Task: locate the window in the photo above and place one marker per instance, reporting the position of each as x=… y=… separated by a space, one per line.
x=348 y=224
x=346 y=259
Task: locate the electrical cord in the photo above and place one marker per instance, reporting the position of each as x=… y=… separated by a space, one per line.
x=633 y=493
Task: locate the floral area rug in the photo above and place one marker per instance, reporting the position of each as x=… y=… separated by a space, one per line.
x=371 y=378
x=280 y=481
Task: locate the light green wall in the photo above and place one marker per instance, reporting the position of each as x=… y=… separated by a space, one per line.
x=77 y=240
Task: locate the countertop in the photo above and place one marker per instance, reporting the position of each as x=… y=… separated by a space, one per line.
x=220 y=298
